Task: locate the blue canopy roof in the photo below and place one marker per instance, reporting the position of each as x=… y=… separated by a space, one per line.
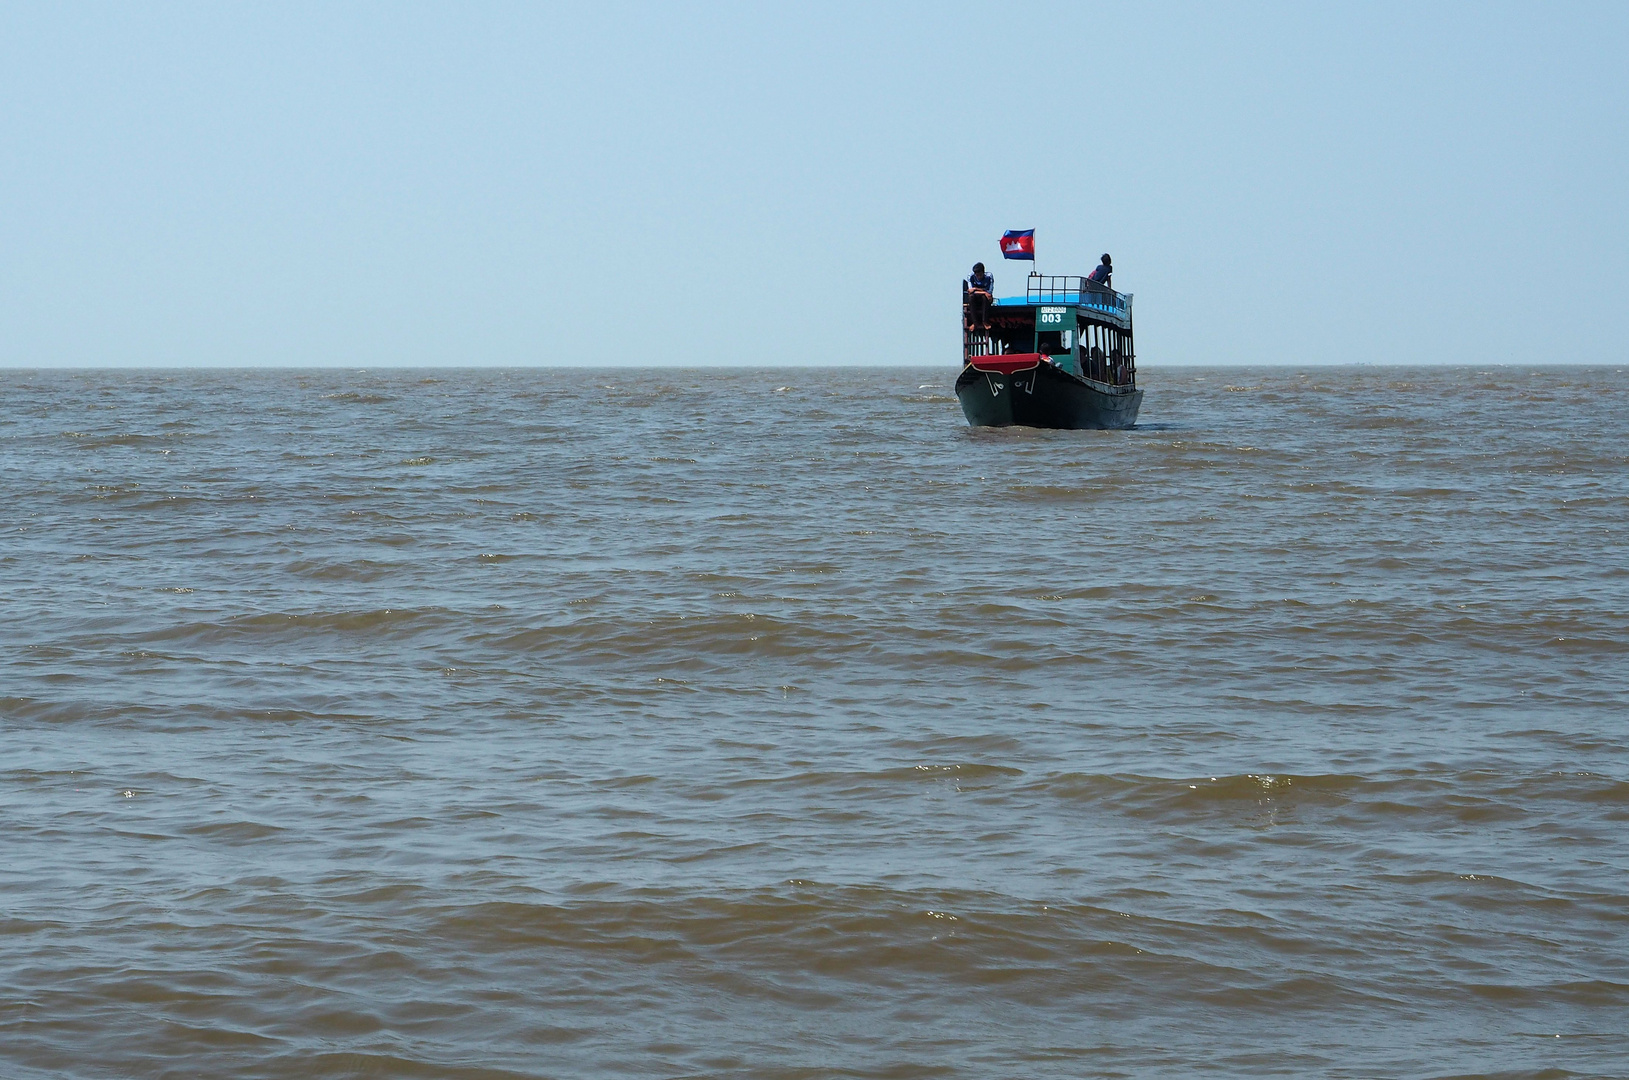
x=1089 y=299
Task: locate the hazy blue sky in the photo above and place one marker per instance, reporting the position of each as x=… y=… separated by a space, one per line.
x=384 y=184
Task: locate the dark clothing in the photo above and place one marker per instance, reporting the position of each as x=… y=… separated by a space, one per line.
x=978 y=310
x=980 y=287
x=1102 y=274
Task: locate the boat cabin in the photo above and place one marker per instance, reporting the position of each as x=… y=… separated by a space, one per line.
x=1082 y=326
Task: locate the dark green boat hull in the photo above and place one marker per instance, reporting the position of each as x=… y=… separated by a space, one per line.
x=1045 y=396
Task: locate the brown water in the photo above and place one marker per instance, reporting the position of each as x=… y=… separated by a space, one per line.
x=774 y=724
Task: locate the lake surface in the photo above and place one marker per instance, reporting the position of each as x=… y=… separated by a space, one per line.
x=772 y=723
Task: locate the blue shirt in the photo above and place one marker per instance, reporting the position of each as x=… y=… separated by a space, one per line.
x=985 y=281
x=1103 y=272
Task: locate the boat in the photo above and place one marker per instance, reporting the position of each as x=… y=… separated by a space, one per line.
x=1060 y=356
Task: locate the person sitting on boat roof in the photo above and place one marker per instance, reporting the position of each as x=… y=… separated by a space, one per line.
x=1103 y=272
x=980 y=290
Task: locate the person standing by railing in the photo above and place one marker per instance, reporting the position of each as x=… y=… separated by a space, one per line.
x=1103 y=273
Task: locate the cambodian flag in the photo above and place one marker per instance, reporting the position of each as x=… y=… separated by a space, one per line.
x=1018 y=244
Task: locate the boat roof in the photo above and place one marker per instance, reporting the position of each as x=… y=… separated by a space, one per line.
x=1089 y=299
x=1072 y=291
x=1111 y=307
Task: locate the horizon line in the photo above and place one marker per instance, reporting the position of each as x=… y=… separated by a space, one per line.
x=4 y=367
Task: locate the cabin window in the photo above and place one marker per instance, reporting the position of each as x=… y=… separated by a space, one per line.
x=1050 y=342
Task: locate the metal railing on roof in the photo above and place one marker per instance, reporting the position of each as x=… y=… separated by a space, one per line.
x=1070 y=289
